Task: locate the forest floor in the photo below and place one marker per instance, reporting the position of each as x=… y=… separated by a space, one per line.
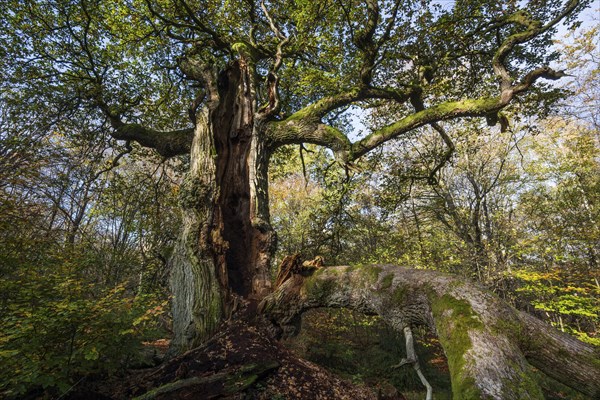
x=242 y=361
x=245 y=361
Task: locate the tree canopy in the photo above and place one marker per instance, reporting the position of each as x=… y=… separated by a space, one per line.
x=137 y=65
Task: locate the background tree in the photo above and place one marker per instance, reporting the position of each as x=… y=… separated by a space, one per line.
x=74 y=299
x=559 y=235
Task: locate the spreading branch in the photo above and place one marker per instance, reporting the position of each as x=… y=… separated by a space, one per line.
x=306 y=127
x=533 y=28
x=166 y=143
x=441 y=112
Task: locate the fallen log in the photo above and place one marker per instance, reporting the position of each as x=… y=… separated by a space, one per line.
x=490 y=346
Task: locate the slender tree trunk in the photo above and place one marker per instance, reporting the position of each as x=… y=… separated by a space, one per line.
x=226 y=242
x=489 y=345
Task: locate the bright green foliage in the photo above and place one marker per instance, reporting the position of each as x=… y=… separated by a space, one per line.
x=78 y=294
x=560 y=214
x=57 y=327
x=310 y=210
x=565 y=205
x=569 y=297
x=333 y=213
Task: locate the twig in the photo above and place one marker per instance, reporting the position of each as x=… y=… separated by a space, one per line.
x=411 y=358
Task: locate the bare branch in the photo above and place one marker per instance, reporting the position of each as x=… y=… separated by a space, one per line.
x=272 y=24
x=450 y=148
x=114 y=162
x=390 y=24
x=168 y=21
x=412 y=359
x=533 y=76
x=274 y=103
x=348 y=19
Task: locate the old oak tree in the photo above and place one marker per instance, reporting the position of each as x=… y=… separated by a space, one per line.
x=231 y=82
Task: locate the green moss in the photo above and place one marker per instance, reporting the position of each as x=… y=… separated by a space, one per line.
x=245 y=50
x=454 y=319
x=301 y=114
x=319 y=289
x=352 y=268
x=333 y=135
x=386 y=281
x=231 y=383
x=400 y=295
x=247 y=375
x=440 y=112
x=511 y=327
x=371 y=272
x=234 y=386
x=594 y=359
x=193 y=193
x=554 y=388
x=526 y=387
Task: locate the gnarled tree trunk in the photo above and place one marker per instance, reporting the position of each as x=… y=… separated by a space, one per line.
x=226 y=243
x=489 y=345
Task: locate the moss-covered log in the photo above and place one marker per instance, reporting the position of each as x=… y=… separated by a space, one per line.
x=490 y=346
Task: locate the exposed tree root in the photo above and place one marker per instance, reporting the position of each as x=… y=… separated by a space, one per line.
x=213 y=386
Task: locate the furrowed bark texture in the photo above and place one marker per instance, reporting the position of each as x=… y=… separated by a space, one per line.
x=195 y=282
x=489 y=345
x=227 y=243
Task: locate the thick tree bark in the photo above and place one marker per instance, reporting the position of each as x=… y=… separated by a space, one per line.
x=489 y=345
x=226 y=243
x=198 y=286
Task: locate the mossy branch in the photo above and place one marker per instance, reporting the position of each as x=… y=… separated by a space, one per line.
x=441 y=112
x=532 y=29
x=166 y=143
